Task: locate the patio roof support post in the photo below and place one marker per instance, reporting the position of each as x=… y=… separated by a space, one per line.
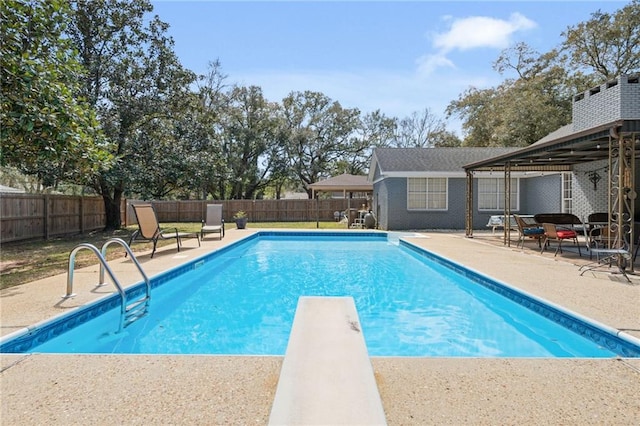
x=469 y=206
x=632 y=195
x=622 y=189
x=507 y=205
x=349 y=208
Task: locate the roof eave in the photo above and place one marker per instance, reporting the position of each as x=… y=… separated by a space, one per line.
x=594 y=133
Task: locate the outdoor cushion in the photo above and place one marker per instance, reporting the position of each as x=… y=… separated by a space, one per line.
x=566 y=234
x=533 y=231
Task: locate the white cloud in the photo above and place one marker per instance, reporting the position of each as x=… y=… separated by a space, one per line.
x=471 y=33
x=481 y=31
x=429 y=63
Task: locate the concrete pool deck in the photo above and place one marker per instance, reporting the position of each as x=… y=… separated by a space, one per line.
x=142 y=389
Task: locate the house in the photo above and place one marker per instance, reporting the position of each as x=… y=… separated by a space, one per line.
x=584 y=167
x=425 y=188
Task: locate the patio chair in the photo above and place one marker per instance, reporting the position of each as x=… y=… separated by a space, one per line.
x=149 y=228
x=214 y=223
x=526 y=230
x=551 y=232
x=595 y=221
x=605 y=254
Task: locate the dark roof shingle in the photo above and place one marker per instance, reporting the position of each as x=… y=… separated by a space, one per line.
x=433 y=159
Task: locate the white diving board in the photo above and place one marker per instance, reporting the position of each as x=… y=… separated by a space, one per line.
x=326 y=376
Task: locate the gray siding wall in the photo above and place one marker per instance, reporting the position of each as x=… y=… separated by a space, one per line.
x=537 y=195
x=397 y=217
x=541 y=194
x=381 y=203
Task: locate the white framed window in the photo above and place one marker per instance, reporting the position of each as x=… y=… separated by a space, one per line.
x=491 y=194
x=567 y=192
x=427 y=193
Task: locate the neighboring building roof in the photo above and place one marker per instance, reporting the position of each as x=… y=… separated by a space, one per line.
x=295 y=196
x=344 y=182
x=8 y=189
x=447 y=160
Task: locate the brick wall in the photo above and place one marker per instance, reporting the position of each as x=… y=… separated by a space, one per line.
x=586 y=199
x=613 y=100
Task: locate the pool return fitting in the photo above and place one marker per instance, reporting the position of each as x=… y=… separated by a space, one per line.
x=129 y=312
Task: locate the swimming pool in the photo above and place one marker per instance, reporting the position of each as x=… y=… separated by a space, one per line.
x=241 y=300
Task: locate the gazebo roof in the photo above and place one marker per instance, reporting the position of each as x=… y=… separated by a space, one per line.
x=344 y=182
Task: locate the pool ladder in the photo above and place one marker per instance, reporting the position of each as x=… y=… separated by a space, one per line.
x=129 y=312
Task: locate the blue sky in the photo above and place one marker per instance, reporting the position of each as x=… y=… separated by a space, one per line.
x=396 y=56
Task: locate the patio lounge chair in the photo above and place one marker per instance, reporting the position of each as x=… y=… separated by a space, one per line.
x=149 y=228
x=551 y=232
x=528 y=230
x=213 y=222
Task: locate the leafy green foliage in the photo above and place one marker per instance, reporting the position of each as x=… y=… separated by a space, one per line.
x=318 y=133
x=607 y=44
x=249 y=126
x=46 y=129
x=136 y=83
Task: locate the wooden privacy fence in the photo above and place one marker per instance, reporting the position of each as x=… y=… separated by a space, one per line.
x=26 y=216
x=257 y=210
x=31 y=216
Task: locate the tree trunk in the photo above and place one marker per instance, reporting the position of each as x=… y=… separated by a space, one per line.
x=112 y=210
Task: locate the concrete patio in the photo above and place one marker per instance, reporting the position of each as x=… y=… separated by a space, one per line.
x=158 y=389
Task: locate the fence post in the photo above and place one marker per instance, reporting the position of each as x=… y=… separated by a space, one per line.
x=81 y=214
x=46 y=216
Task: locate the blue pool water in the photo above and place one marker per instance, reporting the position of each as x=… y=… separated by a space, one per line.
x=243 y=299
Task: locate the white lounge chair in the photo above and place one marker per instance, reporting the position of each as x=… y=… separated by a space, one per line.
x=214 y=223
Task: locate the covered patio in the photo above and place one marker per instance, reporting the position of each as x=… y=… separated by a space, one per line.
x=605 y=128
x=617 y=142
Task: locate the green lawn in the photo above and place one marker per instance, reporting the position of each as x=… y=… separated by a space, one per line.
x=23 y=262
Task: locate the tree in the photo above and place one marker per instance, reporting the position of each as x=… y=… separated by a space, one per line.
x=418 y=130
x=134 y=79
x=521 y=110
x=47 y=130
x=476 y=108
x=375 y=129
x=446 y=139
x=200 y=125
x=318 y=134
x=249 y=126
x=607 y=44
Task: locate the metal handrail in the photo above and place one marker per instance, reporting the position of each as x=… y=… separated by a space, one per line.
x=103 y=262
x=104 y=266
x=133 y=258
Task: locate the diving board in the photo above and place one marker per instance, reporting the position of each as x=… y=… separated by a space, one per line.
x=326 y=375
